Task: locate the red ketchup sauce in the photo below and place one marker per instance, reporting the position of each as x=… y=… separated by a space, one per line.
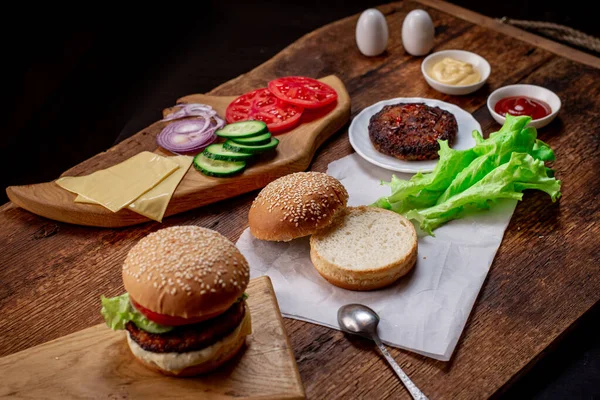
x=521 y=105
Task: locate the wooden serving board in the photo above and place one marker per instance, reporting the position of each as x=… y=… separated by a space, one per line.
x=544 y=278
x=96 y=363
x=294 y=153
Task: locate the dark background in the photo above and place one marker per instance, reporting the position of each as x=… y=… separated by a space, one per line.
x=78 y=81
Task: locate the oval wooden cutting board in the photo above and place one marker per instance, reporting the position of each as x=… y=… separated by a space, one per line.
x=294 y=153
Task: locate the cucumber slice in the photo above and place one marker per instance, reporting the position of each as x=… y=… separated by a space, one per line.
x=242 y=129
x=216 y=152
x=254 y=140
x=245 y=148
x=218 y=168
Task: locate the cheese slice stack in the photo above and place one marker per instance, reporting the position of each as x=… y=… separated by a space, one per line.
x=144 y=183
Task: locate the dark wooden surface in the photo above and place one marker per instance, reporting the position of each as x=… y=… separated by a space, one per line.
x=544 y=278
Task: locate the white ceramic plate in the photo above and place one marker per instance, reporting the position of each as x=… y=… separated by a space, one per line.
x=359 y=135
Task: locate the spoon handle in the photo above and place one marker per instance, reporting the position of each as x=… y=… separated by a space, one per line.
x=412 y=388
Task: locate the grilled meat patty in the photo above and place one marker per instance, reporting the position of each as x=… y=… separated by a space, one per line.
x=409 y=131
x=189 y=337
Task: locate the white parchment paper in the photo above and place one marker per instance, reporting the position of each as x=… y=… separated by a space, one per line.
x=426 y=310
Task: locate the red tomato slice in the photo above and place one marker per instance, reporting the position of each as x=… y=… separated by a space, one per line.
x=261 y=105
x=302 y=91
x=163 y=319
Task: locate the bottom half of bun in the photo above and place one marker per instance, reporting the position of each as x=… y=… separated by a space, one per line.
x=366 y=248
x=359 y=280
x=195 y=362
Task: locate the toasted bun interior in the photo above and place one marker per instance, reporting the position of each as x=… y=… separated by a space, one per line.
x=296 y=205
x=365 y=248
x=185 y=271
x=195 y=362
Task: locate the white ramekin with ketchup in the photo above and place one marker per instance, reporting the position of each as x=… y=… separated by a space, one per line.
x=538 y=102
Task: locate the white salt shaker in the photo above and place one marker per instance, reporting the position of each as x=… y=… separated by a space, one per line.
x=372 y=32
x=417 y=33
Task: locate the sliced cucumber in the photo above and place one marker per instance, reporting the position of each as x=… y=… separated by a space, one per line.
x=254 y=140
x=218 y=168
x=242 y=129
x=216 y=152
x=245 y=148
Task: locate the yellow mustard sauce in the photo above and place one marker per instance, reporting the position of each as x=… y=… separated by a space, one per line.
x=454 y=72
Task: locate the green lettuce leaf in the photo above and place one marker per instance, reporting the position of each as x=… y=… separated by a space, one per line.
x=542 y=151
x=469 y=176
x=422 y=190
x=458 y=171
x=504 y=182
x=117 y=311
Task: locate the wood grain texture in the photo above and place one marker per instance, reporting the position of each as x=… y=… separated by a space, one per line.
x=294 y=153
x=520 y=34
x=544 y=278
x=97 y=363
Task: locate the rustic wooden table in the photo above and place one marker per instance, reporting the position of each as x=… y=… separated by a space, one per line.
x=543 y=280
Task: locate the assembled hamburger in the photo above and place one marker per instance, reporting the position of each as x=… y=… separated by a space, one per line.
x=184 y=311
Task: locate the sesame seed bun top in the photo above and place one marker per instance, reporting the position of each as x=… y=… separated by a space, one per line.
x=296 y=205
x=185 y=271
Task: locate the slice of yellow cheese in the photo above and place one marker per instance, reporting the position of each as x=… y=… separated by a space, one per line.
x=119 y=185
x=154 y=202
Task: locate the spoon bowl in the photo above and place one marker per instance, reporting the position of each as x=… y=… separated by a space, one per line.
x=358 y=319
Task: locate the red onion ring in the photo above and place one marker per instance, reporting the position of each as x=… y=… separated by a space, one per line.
x=219 y=123
x=191 y=109
x=187 y=136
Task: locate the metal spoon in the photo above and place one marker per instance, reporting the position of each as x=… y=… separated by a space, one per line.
x=361 y=320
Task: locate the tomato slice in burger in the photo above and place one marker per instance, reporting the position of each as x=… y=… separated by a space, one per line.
x=261 y=105
x=302 y=91
x=162 y=319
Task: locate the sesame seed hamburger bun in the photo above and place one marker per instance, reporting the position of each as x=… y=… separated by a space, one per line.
x=185 y=271
x=296 y=205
